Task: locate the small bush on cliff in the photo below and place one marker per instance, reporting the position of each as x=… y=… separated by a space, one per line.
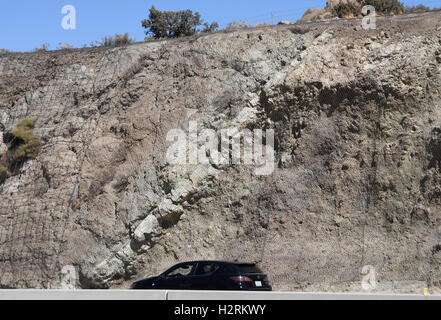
x=210 y=27
x=175 y=24
x=28 y=143
x=238 y=25
x=117 y=40
x=353 y=9
x=385 y=6
x=64 y=46
x=347 y=9
x=22 y=144
x=44 y=47
x=3 y=173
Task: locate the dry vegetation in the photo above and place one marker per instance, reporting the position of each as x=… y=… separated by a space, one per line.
x=23 y=145
x=353 y=9
x=117 y=40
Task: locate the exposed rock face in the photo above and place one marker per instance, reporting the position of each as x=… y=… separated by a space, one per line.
x=357 y=120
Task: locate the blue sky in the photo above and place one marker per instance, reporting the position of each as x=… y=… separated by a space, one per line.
x=26 y=24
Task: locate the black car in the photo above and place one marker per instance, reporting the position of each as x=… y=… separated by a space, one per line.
x=208 y=275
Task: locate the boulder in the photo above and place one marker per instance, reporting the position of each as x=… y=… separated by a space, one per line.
x=146 y=227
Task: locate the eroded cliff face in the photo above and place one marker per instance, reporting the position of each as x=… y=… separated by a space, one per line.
x=357 y=178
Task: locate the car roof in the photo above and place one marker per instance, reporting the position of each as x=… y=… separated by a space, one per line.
x=219 y=262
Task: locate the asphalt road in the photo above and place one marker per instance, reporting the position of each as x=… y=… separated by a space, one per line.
x=195 y=295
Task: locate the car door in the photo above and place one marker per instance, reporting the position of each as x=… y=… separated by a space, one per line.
x=203 y=277
x=177 y=277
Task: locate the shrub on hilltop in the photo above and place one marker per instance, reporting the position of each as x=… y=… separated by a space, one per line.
x=175 y=24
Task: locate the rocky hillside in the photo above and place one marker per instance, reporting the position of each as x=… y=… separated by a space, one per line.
x=357 y=178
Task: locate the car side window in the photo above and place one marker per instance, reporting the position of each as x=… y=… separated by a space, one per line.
x=180 y=271
x=229 y=269
x=206 y=268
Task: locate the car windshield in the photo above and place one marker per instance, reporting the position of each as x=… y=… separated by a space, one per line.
x=248 y=268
